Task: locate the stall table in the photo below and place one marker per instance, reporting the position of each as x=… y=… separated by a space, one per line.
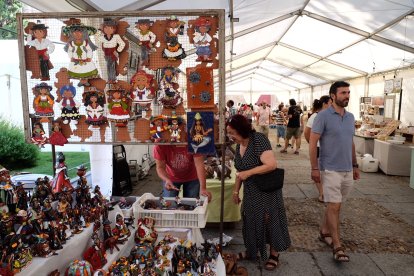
x=394 y=159
x=364 y=144
x=231 y=210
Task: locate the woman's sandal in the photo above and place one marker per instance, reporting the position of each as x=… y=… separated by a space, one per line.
x=322 y=238
x=272 y=263
x=340 y=257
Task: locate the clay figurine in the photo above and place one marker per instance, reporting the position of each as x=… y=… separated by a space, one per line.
x=38 y=135
x=79 y=267
x=94 y=102
x=202 y=39
x=146 y=39
x=146 y=231
x=169 y=97
x=120 y=230
x=110 y=240
x=44 y=47
x=80 y=51
x=142 y=92
x=57 y=138
x=96 y=254
x=118 y=106
x=61 y=179
x=174 y=50
x=174 y=128
x=43 y=102
x=69 y=105
x=112 y=44
x=157 y=127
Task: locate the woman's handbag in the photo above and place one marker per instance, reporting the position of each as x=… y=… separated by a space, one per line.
x=271 y=181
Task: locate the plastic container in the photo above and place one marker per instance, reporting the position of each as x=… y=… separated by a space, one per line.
x=196 y=218
x=369 y=164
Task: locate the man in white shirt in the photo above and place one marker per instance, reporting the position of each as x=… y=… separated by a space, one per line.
x=263 y=118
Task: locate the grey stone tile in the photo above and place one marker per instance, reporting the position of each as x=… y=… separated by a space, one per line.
x=293 y=191
x=360 y=264
x=394 y=264
x=373 y=190
x=409 y=218
x=399 y=208
x=379 y=198
x=309 y=190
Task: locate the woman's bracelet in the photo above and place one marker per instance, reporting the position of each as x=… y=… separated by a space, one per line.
x=235 y=193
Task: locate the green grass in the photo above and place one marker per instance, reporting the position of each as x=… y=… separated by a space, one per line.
x=44 y=164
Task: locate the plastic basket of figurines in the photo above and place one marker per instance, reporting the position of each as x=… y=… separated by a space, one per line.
x=125 y=204
x=173 y=212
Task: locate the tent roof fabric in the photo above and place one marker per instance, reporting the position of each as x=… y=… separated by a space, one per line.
x=295 y=44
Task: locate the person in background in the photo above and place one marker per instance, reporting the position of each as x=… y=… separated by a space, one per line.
x=337 y=168
x=176 y=167
x=248 y=112
x=263 y=118
x=263 y=213
x=293 y=126
x=280 y=125
x=318 y=105
x=231 y=108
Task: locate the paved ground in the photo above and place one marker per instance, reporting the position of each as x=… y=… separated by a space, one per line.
x=377 y=224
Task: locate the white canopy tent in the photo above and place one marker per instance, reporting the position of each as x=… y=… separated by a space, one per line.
x=296 y=48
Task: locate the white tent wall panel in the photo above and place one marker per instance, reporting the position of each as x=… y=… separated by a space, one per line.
x=357 y=91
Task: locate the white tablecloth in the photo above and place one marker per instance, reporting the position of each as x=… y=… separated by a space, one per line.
x=363 y=145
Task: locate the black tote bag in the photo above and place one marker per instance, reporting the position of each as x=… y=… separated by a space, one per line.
x=271 y=181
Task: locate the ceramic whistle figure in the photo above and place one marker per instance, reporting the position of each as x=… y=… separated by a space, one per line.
x=111 y=44
x=38 y=135
x=44 y=47
x=80 y=51
x=202 y=39
x=94 y=102
x=174 y=50
x=142 y=92
x=57 y=138
x=118 y=106
x=146 y=39
x=169 y=97
x=43 y=102
x=61 y=179
x=68 y=104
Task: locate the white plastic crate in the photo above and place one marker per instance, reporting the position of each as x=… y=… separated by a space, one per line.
x=196 y=218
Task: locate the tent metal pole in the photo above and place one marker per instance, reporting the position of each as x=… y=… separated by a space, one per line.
x=399 y=105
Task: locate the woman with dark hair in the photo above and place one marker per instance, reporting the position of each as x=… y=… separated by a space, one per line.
x=318 y=105
x=263 y=213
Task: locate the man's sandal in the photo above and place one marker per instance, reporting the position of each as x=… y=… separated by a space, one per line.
x=340 y=257
x=272 y=263
x=322 y=238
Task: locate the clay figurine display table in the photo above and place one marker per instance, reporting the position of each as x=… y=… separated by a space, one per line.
x=394 y=159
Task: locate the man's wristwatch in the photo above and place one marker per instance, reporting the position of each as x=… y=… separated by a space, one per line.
x=355 y=166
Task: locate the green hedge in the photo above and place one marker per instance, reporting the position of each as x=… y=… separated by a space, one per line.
x=15 y=153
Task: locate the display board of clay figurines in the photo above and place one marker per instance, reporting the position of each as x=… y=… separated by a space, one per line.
x=126 y=78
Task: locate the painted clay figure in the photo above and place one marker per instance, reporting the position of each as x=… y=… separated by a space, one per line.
x=199 y=134
x=202 y=39
x=44 y=47
x=146 y=39
x=111 y=44
x=69 y=105
x=38 y=135
x=157 y=127
x=61 y=179
x=43 y=102
x=96 y=254
x=80 y=51
x=94 y=102
x=174 y=128
x=142 y=92
x=79 y=267
x=169 y=97
x=57 y=138
x=146 y=231
x=118 y=106
x=174 y=50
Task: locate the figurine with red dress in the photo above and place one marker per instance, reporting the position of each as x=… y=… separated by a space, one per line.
x=61 y=179
x=57 y=138
x=96 y=254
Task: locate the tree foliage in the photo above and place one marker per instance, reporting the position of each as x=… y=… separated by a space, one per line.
x=8 y=10
x=14 y=151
